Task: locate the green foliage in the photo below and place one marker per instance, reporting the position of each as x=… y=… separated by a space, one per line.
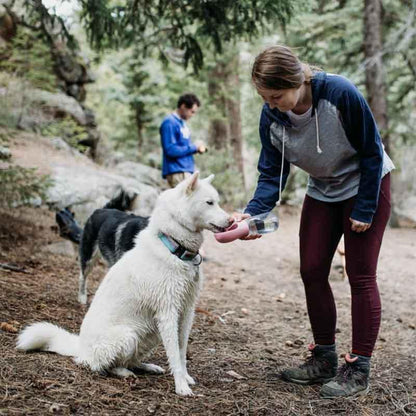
x=127 y=87
x=19 y=186
x=328 y=39
x=227 y=180
x=68 y=129
x=28 y=56
x=188 y=26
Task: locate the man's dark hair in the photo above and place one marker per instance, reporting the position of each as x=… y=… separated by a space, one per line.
x=189 y=100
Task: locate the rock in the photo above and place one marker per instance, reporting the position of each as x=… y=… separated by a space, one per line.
x=61 y=144
x=145 y=174
x=58 y=103
x=63 y=248
x=55 y=408
x=5 y=153
x=235 y=375
x=86 y=188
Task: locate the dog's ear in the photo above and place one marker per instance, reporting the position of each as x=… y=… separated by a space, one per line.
x=192 y=183
x=209 y=179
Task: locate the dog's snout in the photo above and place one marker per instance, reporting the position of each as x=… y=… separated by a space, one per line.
x=230 y=220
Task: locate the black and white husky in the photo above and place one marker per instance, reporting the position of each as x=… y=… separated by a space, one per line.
x=110 y=232
x=148 y=296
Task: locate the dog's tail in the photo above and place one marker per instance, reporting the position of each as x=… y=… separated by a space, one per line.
x=44 y=336
x=123 y=201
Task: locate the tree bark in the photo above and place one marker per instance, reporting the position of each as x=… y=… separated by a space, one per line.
x=218 y=137
x=374 y=70
x=225 y=130
x=140 y=123
x=234 y=114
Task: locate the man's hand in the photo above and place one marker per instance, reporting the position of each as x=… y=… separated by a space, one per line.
x=358 y=226
x=201 y=147
x=238 y=217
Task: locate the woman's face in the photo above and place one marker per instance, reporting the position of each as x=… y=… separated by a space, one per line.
x=283 y=100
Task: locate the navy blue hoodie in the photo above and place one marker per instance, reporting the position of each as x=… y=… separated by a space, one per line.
x=340 y=147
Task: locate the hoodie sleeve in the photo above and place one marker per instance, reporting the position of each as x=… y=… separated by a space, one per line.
x=168 y=134
x=269 y=167
x=362 y=132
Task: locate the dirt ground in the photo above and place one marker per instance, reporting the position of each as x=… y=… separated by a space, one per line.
x=252 y=321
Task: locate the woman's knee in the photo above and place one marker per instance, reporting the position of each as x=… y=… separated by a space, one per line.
x=314 y=272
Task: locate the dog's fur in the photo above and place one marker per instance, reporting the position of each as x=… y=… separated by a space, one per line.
x=148 y=296
x=110 y=232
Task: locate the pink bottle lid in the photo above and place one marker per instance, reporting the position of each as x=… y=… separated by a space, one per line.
x=236 y=230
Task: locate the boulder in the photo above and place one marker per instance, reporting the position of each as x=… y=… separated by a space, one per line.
x=58 y=104
x=78 y=182
x=145 y=174
x=86 y=188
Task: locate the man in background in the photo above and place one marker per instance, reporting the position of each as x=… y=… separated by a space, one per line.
x=178 y=150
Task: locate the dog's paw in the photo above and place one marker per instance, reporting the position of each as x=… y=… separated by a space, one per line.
x=183 y=389
x=149 y=368
x=82 y=298
x=121 y=372
x=190 y=380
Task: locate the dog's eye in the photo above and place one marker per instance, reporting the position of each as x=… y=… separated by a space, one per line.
x=210 y=202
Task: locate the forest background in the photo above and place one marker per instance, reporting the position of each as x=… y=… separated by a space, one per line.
x=139 y=56
x=84 y=86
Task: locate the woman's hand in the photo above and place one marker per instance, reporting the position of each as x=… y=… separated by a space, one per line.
x=238 y=217
x=358 y=226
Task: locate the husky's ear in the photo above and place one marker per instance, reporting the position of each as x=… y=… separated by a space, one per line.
x=191 y=183
x=210 y=178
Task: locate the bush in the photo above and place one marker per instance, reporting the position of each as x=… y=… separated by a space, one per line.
x=68 y=129
x=28 y=56
x=19 y=186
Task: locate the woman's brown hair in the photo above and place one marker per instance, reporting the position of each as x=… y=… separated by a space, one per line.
x=278 y=68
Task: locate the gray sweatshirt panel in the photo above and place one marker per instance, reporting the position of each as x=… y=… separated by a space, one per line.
x=334 y=173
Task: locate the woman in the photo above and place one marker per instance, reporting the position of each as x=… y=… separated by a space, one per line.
x=322 y=124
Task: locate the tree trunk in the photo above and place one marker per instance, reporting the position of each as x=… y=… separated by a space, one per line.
x=218 y=137
x=234 y=114
x=140 y=128
x=374 y=71
x=225 y=129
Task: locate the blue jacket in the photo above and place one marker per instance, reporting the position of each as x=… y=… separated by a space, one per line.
x=177 y=147
x=340 y=147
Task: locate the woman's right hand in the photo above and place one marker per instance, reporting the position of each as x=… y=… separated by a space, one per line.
x=238 y=217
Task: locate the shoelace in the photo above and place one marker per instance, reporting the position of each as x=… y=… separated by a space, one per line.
x=310 y=361
x=348 y=371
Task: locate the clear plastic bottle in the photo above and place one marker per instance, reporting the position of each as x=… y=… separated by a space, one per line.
x=259 y=224
x=262 y=224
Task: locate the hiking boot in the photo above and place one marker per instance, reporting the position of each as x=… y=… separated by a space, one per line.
x=351 y=379
x=320 y=367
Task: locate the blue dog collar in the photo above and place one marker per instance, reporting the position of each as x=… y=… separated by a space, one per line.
x=180 y=251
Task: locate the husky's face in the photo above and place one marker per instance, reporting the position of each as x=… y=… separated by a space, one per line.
x=199 y=203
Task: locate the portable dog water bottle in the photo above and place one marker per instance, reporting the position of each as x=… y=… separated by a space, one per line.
x=259 y=224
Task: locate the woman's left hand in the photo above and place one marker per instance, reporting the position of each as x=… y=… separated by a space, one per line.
x=358 y=226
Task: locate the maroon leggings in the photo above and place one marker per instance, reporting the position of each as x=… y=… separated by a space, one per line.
x=322 y=225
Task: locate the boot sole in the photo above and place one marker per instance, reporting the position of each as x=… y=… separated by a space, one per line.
x=307 y=382
x=358 y=393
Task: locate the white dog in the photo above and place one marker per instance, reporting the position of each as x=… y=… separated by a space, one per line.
x=148 y=296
